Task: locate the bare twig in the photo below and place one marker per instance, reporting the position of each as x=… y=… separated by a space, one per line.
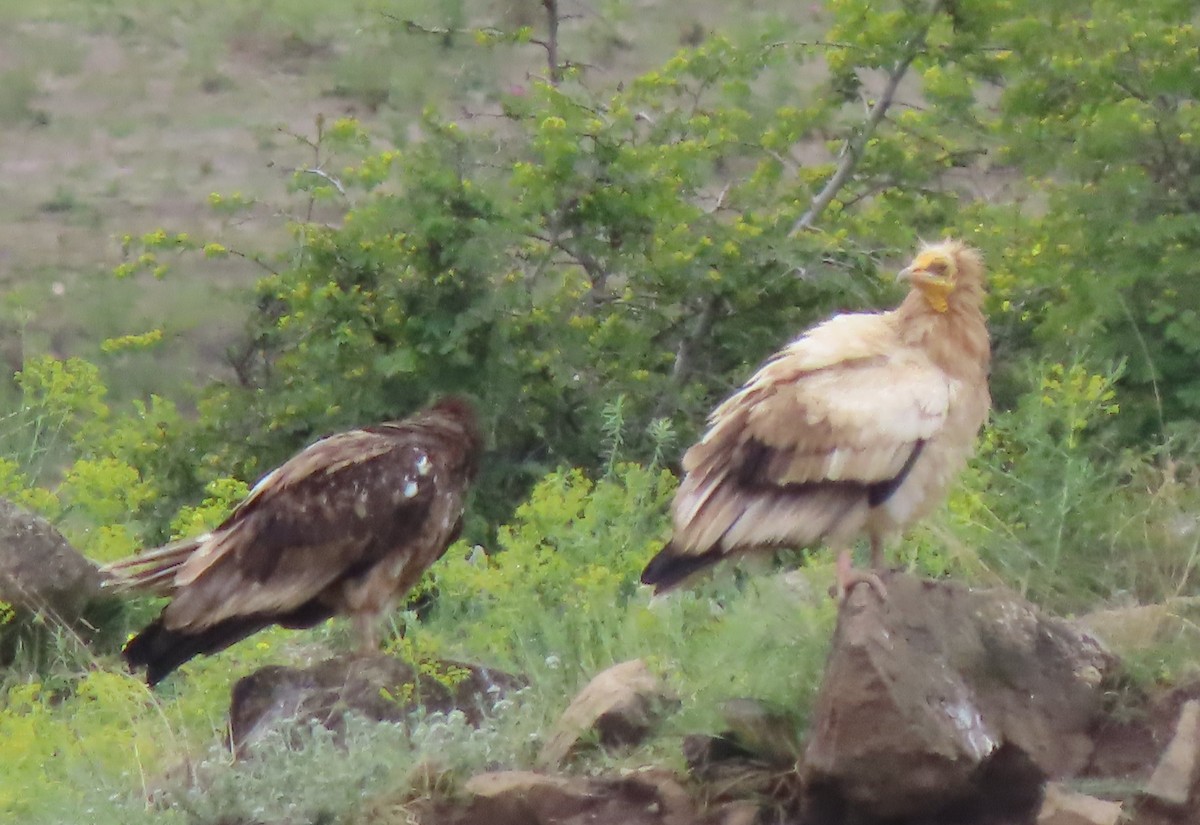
x=337 y=184
x=254 y=259
x=681 y=370
x=299 y=138
x=683 y=354
x=590 y=265
x=551 y=42
x=720 y=199
x=1128 y=89
x=853 y=150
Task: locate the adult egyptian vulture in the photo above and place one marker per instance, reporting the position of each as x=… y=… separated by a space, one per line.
x=858 y=426
x=345 y=527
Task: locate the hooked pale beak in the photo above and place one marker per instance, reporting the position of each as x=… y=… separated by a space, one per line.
x=920 y=276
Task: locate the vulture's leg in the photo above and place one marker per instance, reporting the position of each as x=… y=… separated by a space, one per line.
x=366 y=631
x=848 y=577
x=876 y=552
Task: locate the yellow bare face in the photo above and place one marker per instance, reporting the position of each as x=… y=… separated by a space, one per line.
x=934 y=272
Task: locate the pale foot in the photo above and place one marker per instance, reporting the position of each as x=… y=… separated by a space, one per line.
x=847 y=577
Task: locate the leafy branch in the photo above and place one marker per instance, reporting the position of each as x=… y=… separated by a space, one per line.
x=853 y=148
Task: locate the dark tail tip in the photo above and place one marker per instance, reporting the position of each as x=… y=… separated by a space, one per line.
x=157 y=650
x=670 y=567
x=160 y=650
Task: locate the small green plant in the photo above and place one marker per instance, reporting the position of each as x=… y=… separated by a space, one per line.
x=1054 y=508
x=559 y=600
x=81 y=755
x=63 y=200
x=18 y=88
x=316 y=775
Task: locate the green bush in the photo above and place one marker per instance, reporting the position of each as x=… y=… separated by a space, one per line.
x=558 y=601
x=1065 y=514
x=314 y=775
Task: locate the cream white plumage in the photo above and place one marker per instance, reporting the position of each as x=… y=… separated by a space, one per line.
x=857 y=426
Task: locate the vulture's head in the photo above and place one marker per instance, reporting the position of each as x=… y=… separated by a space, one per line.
x=943 y=270
x=455 y=414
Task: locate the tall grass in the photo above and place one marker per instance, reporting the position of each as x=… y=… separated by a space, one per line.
x=1055 y=508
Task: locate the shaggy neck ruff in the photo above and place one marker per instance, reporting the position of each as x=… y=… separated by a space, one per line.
x=955 y=338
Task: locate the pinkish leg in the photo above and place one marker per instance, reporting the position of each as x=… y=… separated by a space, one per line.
x=848 y=577
x=876 y=552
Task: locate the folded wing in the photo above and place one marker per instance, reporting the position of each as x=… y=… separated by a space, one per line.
x=825 y=429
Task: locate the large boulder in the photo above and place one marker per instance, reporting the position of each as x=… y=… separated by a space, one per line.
x=944 y=703
x=1174 y=778
x=619 y=706
x=1066 y=807
x=378 y=687
x=39 y=569
x=526 y=798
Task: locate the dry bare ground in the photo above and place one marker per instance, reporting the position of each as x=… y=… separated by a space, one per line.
x=123 y=119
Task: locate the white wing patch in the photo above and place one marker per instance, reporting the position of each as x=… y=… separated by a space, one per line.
x=410 y=489
x=424 y=465
x=263 y=482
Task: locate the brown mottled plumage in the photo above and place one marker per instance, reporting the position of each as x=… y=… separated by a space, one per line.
x=347 y=526
x=858 y=426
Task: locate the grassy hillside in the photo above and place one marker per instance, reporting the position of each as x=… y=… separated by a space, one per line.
x=598 y=262
x=119 y=119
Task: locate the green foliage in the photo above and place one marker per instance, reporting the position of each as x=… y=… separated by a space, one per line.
x=559 y=601
x=96 y=473
x=573 y=550
x=1100 y=106
x=642 y=242
x=222 y=495
x=315 y=775
x=60 y=400
x=66 y=455
x=82 y=757
x=1067 y=517
x=558 y=604
x=590 y=245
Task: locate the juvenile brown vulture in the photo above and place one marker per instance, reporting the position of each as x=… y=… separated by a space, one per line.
x=347 y=526
x=858 y=426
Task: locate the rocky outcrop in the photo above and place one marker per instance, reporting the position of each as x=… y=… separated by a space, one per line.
x=940 y=705
x=40 y=571
x=1176 y=773
x=947 y=701
x=617 y=707
x=377 y=687
x=527 y=798
x=1063 y=806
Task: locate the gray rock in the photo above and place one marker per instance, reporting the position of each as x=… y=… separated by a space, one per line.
x=378 y=687
x=39 y=569
x=1066 y=807
x=527 y=798
x=1175 y=774
x=620 y=705
x=943 y=698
